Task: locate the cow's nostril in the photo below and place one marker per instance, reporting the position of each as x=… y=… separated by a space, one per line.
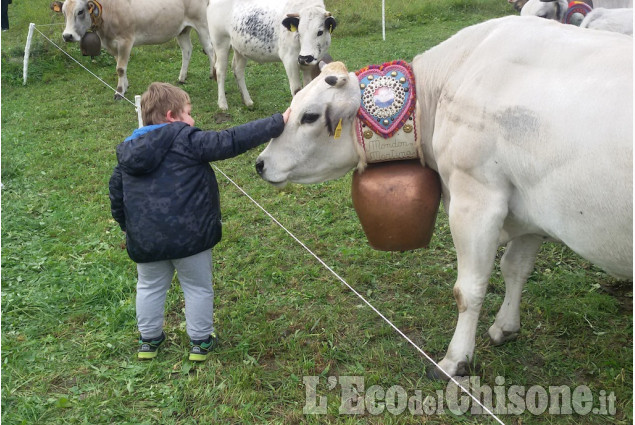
x=305 y=60
x=260 y=166
x=67 y=37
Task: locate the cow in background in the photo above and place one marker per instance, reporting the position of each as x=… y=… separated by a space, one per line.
x=122 y=24
x=295 y=32
x=557 y=9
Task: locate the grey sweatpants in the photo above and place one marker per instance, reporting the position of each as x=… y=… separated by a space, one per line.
x=195 y=276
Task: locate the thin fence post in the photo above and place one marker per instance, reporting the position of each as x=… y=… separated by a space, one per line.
x=383 y=19
x=27 y=52
x=137 y=103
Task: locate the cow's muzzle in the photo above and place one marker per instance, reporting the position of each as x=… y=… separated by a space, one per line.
x=306 y=60
x=67 y=37
x=260 y=166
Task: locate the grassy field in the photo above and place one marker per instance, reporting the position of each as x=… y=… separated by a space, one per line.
x=68 y=286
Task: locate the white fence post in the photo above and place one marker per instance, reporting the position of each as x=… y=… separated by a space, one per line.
x=27 y=52
x=383 y=19
x=137 y=103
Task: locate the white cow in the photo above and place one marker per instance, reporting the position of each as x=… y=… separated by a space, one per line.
x=557 y=9
x=296 y=32
x=122 y=24
x=513 y=171
x=617 y=20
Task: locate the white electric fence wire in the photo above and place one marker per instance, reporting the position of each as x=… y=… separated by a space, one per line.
x=363 y=299
x=450 y=377
x=76 y=61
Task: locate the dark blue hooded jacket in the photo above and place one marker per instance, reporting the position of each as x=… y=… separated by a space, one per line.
x=163 y=191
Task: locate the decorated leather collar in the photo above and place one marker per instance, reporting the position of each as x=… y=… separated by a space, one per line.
x=386 y=126
x=95 y=11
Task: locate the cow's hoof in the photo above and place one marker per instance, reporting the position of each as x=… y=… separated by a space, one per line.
x=499 y=337
x=181 y=82
x=118 y=96
x=436 y=374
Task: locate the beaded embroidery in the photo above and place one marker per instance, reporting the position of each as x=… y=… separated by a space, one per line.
x=386 y=127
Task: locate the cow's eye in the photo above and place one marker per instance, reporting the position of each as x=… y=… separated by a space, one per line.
x=320 y=33
x=309 y=118
x=80 y=13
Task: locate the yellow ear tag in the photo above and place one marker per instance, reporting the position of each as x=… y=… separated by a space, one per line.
x=293 y=28
x=338 y=130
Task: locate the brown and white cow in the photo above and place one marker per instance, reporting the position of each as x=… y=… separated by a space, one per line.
x=122 y=24
x=522 y=160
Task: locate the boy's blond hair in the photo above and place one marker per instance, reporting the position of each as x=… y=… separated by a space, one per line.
x=159 y=99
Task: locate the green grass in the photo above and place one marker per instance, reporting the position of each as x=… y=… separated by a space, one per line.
x=68 y=287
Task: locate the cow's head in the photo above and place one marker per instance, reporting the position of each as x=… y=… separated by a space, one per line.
x=312 y=149
x=314 y=26
x=80 y=16
x=548 y=9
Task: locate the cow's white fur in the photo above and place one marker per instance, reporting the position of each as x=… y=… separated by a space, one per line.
x=254 y=30
x=616 y=20
x=556 y=9
x=521 y=160
x=129 y=23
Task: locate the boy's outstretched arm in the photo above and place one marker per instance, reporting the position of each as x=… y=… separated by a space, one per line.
x=215 y=146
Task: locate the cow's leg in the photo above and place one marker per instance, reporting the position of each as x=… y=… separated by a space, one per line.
x=293 y=74
x=239 y=62
x=123 y=56
x=517 y=264
x=185 y=43
x=221 y=49
x=307 y=75
x=206 y=42
x=476 y=215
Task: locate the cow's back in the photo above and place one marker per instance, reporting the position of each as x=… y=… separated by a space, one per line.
x=613 y=4
x=149 y=21
x=253 y=26
x=543 y=113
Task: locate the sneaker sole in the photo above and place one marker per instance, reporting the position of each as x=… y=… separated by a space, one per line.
x=198 y=357
x=147 y=356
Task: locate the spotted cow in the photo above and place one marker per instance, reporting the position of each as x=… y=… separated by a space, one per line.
x=296 y=32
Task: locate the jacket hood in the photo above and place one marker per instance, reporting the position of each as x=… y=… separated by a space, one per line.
x=145 y=149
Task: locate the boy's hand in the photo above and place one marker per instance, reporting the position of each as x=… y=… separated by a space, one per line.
x=285 y=115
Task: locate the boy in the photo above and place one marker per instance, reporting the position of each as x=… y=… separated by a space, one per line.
x=164 y=195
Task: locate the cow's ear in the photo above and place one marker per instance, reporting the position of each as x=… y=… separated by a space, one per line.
x=335 y=113
x=336 y=80
x=291 y=22
x=56 y=6
x=330 y=23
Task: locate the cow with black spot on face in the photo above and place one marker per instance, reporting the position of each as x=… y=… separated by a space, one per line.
x=521 y=160
x=296 y=33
